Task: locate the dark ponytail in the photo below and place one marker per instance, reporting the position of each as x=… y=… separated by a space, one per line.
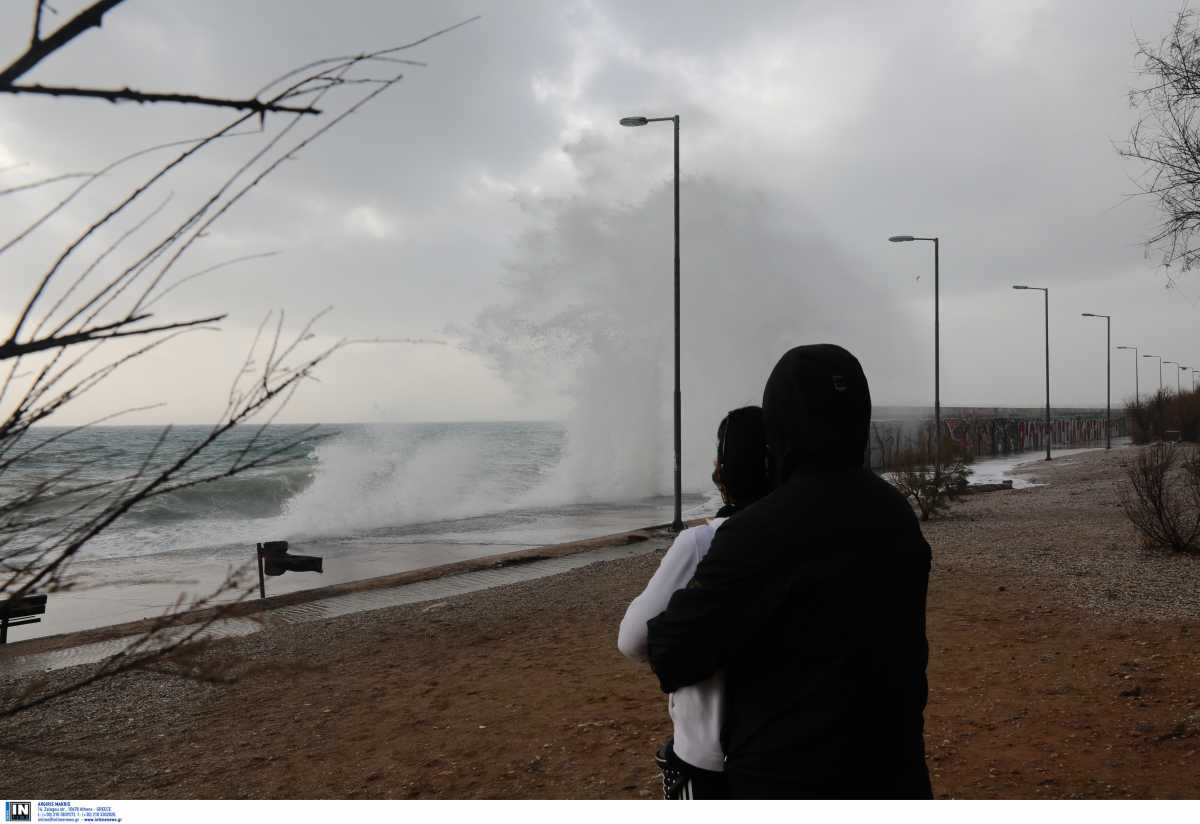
x=742 y=456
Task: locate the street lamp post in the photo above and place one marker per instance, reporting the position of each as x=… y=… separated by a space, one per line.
x=677 y=523
x=1137 y=395
x=1159 y=369
x=1107 y=377
x=1176 y=365
x=1046 y=293
x=937 y=349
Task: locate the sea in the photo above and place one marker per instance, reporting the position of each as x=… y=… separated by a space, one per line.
x=369 y=499
x=483 y=483
x=453 y=481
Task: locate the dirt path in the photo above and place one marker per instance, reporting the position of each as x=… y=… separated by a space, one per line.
x=1045 y=682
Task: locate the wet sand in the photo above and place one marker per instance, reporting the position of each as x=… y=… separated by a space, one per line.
x=1063 y=665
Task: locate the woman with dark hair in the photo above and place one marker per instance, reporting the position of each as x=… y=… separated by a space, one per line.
x=692 y=760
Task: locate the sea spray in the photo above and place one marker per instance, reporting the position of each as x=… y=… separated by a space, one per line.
x=382 y=477
x=589 y=316
x=359 y=479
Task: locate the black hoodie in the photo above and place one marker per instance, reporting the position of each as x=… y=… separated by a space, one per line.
x=812 y=601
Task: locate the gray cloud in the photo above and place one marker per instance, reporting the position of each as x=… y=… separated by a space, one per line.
x=811 y=132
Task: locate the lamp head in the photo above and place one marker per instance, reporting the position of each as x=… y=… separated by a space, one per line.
x=1020 y=287
x=1089 y=315
x=634 y=121
x=901 y=238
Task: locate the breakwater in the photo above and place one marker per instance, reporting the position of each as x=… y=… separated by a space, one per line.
x=987 y=431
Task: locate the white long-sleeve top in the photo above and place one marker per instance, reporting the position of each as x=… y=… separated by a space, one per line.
x=695 y=710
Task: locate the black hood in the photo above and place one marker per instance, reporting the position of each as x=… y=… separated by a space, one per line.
x=817 y=410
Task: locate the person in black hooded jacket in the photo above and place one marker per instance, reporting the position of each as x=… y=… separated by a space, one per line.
x=812 y=602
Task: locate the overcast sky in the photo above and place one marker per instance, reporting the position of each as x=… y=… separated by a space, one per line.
x=491 y=201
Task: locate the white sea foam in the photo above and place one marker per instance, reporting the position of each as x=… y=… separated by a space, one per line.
x=382 y=477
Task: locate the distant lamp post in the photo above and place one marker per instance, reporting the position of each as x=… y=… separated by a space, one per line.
x=1176 y=365
x=937 y=380
x=1137 y=396
x=677 y=523
x=1159 y=369
x=1046 y=293
x=1107 y=377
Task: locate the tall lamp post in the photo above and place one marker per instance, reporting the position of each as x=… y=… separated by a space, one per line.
x=1159 y=369
x=677 y=523
x=1046 y=293
x=937 y=349
x=1107 y=377
x=1176 y=365
x=1137 y=395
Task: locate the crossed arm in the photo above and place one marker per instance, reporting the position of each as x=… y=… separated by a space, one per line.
x=726 y=604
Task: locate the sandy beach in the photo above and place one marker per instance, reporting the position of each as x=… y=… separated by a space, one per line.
x=1063 y=664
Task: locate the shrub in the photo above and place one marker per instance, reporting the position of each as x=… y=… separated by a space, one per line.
x=1183 y=415
x=932 y=488
x=1162 y=498
x=1148 y=418
x=1151 y=419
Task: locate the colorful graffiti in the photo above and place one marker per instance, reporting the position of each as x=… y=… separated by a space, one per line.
x=986 y=434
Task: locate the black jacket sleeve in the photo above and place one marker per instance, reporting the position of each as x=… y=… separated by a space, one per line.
x=727 y=601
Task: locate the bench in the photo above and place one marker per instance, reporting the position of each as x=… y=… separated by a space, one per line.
x=26 y=609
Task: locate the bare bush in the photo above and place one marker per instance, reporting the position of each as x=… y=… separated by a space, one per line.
x=1164 y=412
x=930 y=484
x=1162 y=497
x=1148 y=418
x=1184 y=415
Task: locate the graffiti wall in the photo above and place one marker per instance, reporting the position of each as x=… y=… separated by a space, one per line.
x=982 y=433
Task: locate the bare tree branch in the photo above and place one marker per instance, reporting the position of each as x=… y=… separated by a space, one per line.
x=37 y=184
x=1165 y=140
x=96 y=333
x=92 y=177
x=134 y=96
x=91 y=17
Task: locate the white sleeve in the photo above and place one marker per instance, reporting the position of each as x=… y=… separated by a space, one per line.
x=674 y=571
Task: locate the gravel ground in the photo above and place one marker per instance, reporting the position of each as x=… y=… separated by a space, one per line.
x=1063 y=665
x=1073 y=533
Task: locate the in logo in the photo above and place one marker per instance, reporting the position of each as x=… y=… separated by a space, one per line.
x=18 y=811
x=839 y=383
